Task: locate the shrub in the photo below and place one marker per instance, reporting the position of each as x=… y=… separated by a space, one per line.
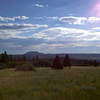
x=25 y=67
x=11 y=65
x=2 y=66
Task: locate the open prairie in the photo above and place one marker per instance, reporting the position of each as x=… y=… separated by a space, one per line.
x=77 y=83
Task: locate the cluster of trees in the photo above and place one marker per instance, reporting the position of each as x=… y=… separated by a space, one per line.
x=56 y=63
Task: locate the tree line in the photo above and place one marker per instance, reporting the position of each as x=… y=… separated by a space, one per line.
x=56 y=63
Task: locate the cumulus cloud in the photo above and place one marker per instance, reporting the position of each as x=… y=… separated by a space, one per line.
x=6 y=19
x=40 y=5
x=73 y=20
x=79 y=20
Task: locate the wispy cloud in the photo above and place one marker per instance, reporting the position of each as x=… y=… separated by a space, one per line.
x=61 y=34
x=11 y=26
x=11 y=30
x=40 y=5
x=6 y=19
x=67 y=34
x=55 y=39
x=96 y=28
x=79 y=20
x=71 y=19
x=47 y=18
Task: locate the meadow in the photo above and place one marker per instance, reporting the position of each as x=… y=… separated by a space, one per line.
x=77 y=83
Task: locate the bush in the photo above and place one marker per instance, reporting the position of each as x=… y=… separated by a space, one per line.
x=25 y=67
x=11 y=65
x=2 y=66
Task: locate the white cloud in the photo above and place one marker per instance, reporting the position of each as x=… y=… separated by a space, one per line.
x=11 y=30
x=96 y=28
x=61 y=34
x=56 y=39
x=6 y=19
x=74 y=35
x=40 y=5
x=93 y=19
x=20 y=26
x=47 y=18
x=51 y=18
x=73 y=20
x=80 y=20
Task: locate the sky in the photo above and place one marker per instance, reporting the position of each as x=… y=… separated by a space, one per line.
x=50 y=26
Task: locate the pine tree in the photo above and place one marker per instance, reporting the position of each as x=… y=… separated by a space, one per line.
x=2 y=57
x=95 y=63
x=67 y=62
x=57 y=63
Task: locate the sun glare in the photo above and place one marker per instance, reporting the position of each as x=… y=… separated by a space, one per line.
x=96 y=9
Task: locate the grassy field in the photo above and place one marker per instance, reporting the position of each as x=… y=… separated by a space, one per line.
x=77 y=83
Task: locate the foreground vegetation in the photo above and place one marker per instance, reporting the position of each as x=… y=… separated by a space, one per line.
x=77 y=83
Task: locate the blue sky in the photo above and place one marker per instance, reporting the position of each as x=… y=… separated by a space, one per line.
x=50 y=26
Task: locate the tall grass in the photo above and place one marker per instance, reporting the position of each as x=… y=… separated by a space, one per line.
x=77 y=83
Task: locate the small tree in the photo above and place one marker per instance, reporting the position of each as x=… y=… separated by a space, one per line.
x=4 y=57
x=57 y=63
x=95 y=63
x=24 y=58
x=67 y=61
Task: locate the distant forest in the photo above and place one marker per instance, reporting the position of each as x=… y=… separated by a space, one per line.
x=56 y=62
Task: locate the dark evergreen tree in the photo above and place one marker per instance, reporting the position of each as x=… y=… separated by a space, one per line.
x=95 y=63
x=57 y=63
x=67 y=62
x=4 y=57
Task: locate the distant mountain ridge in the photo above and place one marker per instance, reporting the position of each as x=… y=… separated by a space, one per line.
x=80 y=56
x=32 y=54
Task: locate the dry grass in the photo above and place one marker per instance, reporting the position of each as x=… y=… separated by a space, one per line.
x=78 y=83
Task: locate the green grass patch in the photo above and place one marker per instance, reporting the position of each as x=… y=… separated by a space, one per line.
x=77 y=83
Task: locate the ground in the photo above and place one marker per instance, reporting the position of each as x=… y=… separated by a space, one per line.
x=77 y=83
